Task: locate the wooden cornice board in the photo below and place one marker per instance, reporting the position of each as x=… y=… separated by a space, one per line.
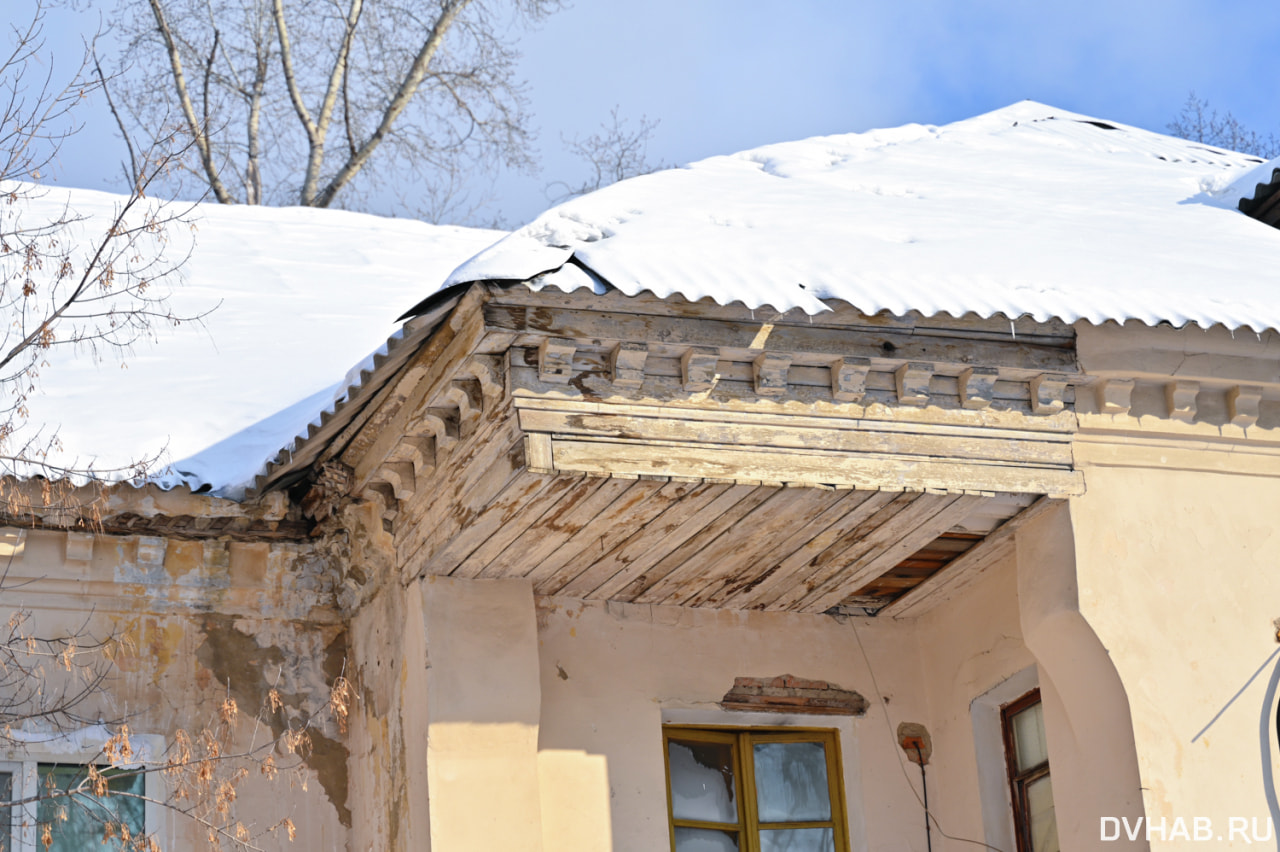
x=667 y=456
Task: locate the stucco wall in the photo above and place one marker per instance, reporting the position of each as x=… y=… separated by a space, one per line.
x=1177 y=566
x=613 y=674
x=969 y=646
x=444 y=666
x=196 y=622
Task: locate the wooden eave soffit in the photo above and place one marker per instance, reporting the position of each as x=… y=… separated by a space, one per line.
x=535 y=427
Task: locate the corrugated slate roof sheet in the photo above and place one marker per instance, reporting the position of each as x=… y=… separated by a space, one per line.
x=1028 y=210
x=1264 y=203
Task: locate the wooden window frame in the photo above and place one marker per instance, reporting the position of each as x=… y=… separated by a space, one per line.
x=1019 y=781
x=742 y=739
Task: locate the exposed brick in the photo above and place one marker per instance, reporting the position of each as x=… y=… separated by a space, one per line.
x=790 y=694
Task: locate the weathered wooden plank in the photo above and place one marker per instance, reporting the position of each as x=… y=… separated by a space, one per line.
x=620 y=531
x=1007 y=425
x=842 y=315
x=550 y=573
x=480 y=563
x=453 y=460
x=971 y=445
x=874 y=533
x=672 y=570
x=365 y=444
x=860 y=510
x=485 y=465
x=945 y=385
x=537 y=450
x=967 y=568
x=641 y=571
x=875 y=563
x=857 y=470
x=556 y=526
x=648 y=544
x=622 y=327
x=815 y=400
x=730 y=555
x=478 y=523
x=806 y=530
x=462 y=467
x=431 y=532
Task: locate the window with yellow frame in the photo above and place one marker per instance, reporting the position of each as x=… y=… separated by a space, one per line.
x=754 y=790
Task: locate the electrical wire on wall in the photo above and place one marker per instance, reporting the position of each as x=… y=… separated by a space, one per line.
x=924 y=788
x=929 y=818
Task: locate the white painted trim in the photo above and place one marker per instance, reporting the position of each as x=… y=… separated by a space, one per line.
x=988 y=744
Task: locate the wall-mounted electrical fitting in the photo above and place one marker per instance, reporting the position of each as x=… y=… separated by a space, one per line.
x=916 y=742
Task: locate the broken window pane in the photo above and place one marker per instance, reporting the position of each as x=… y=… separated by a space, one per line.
x=705 y=840
x=791 y=783
x=702 y=782
x=798 y=840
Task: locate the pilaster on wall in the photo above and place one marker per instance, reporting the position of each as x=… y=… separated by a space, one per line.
x=482 y=701
x=1087 y=719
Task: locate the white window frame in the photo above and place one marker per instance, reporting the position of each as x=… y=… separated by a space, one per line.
x=81 y=747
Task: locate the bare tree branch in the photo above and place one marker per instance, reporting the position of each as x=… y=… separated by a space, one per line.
x=196 y=128
x=1200 y=122
x=408 y=87
x=132 y=171
x=427 y=92
x=615 y=153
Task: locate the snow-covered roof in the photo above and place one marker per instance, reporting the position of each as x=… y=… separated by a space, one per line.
x=1028 y=210
x=299 y=296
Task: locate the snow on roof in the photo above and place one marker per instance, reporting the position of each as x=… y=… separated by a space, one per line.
x=1028 y=210
x=298 y=297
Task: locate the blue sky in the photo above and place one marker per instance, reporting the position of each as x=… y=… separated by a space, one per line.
x=722 y=76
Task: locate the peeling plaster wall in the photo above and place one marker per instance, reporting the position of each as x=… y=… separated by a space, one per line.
x=969 y=645
x=445 y=748
x=388 y=740
x=613 y=673
x=443 y=663
x=199 y=621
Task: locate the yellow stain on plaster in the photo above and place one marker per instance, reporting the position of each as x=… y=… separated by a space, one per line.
x=183 y=557
x=149 y=644
x=573 y=631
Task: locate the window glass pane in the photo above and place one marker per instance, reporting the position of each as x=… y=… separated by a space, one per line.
x=81 y=831
x=705 y=840
x=798 y=840
x=1028 y=737
x=6 y=814
x=702 y=782
x=1044 y=824
x=791 y=783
